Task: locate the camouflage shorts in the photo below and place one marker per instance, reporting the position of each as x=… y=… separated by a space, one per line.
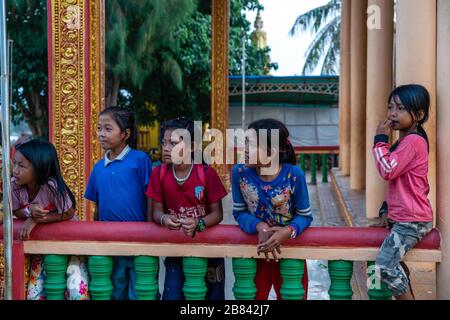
x=403 y=237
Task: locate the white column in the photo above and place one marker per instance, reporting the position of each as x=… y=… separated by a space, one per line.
x=416 y=63
x=443 y=147
x=380 y=45
x=344 y=90
x=358 y=57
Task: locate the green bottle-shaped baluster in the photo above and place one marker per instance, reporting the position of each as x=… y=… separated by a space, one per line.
x=244 y=274
x=100 y=268
x=55 y=283
x=324 y=168
x=292 y=271
x=146 y=273
x=313 y=169
x=194 y=273
x=377 y=290
x=340 y=275
x=303 y=162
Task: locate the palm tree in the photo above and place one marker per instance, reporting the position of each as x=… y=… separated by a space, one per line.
x=325 y=23
x=137 y=32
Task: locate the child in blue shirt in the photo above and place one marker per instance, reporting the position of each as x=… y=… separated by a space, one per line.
x=117 y=185
x=275 y=206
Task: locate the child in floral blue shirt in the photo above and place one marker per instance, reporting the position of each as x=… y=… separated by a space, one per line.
x=276 y=207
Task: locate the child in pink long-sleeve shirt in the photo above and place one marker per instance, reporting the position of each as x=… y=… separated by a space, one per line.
x=405 y=167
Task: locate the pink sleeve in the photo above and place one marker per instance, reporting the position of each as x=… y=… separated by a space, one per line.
x=153 y=188
x=15 y=194
x=215 y=190
x=391 y=165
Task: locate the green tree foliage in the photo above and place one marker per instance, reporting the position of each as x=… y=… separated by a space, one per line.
x=325 y=23
x=193 y=100
x=27 y=27
x=157 y=53
x=135 y=33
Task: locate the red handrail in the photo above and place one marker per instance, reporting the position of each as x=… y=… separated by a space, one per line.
x=222 y=234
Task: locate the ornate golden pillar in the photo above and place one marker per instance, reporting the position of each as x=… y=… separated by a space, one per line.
x=219 y=76
x=416 y=63
x=358 y=57
x=76 y=88
x=443 y=148
x=380 y=42
x=344 y=90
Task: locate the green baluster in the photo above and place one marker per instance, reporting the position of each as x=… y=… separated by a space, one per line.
x=55 y=283
x=325 y=168
x=303 y=162
x=194 y=273
x=377 y=289
x=313 y=168
x=146 y=272
x=340 y=276
x=292 y=273
x=244 y=274
x=100 y=268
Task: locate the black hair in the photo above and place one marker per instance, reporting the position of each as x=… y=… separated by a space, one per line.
x=286 y=151
x=416 y=99
x=178 y=123
x=186 y=124
x=125 y=120
x=44 y=159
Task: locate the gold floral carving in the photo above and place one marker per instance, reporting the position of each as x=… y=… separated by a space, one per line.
x=219 y=76
x=68 y=118
x=77 y=90
x=97 y=77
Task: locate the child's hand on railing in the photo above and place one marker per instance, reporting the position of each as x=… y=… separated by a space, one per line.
x=273 y=244
x=171 y=222
x=38 y=213
x=24 y=233
x=264 y=235
x=383 y=222
x=188 y=225
x=263 y=232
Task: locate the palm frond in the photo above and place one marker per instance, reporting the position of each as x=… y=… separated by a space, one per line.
x=330 y=64
x=315 y=18
x=319 y=44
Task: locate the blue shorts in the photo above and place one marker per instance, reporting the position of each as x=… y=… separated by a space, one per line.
x=124 y=279
x=174 y=281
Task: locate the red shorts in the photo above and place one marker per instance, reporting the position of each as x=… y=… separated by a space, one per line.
x=268 y=274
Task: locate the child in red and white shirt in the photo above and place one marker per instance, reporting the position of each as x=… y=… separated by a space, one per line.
x=405 y=167
x=186 y=196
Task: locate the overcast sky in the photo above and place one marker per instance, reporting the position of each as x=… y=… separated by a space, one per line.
x=278 y=17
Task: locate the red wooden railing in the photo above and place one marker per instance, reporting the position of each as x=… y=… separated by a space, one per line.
x=220 y=240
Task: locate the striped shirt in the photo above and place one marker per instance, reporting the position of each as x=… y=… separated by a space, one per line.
x=406 y=170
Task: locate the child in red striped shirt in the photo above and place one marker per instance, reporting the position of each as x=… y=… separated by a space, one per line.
x=405 y=166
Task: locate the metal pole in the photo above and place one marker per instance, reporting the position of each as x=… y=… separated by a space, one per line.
x=10 y=64
x=243 y=81
x=4 y=92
